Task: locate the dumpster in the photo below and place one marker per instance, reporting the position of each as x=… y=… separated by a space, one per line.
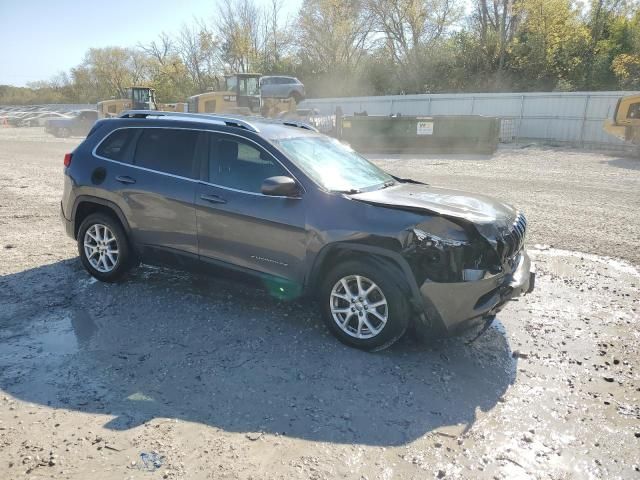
x=416 y=134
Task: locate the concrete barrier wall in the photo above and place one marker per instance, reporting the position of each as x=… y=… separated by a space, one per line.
x=573 y=118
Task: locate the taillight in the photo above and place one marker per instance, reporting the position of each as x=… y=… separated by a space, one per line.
x=67 y=159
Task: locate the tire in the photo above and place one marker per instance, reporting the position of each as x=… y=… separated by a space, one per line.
x=104 y=268
x=296 y=96
x=356 y=332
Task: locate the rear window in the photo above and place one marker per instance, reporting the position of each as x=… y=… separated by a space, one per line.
x=115 y=146
x=167 y=150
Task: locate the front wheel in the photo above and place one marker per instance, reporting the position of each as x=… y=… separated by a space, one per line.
x=363 y=305
x=103 y=247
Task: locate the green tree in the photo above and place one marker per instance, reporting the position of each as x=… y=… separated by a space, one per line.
x=548 y=45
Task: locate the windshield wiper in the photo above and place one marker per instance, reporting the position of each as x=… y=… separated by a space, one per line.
x=350 y=191
x=388 y=183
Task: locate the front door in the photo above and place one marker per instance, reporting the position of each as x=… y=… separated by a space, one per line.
x=239 y=225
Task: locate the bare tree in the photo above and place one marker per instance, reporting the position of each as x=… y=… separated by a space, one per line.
x=496 y=22
x=160 y=50
x=238 y=25
x=277 y=38
x=333 y=33
x=409 y=28
x=200 y=52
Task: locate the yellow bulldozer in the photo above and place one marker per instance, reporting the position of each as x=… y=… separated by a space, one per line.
x=137 y=98
x=625 y=123
x=241 y=96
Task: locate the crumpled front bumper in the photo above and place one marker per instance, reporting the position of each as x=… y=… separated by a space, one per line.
x=462 y=305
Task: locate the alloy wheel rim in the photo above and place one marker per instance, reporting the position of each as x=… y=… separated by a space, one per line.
x=101 y=248
x=358 y=307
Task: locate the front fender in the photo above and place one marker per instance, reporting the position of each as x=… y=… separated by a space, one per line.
x=426 y=313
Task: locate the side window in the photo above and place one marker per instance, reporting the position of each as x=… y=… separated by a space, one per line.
x=116 y=145
x=234 y=163
x=111 y=109
x=167 y=150
x=634 y=110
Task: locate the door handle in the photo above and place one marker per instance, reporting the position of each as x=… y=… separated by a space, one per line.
x=125 y=179
x=213 y=198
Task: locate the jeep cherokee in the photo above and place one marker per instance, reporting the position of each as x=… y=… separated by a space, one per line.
x=299 y=210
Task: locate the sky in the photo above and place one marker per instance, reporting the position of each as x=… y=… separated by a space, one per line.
x=41 y=38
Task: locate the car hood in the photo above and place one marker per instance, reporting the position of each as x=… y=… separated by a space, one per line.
x=477 y=209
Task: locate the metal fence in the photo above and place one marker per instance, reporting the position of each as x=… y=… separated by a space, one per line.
x=572 y=118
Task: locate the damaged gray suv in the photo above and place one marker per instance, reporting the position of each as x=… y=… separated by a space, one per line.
x=300 y=211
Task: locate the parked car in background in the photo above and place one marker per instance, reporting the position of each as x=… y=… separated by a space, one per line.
x=15 y=118
x=40 y=119
x=282 y=87
x=78 y=125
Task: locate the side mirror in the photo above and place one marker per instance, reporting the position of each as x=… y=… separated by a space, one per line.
x=280 y=186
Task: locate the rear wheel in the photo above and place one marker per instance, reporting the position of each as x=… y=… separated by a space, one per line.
x=103 y=247
x=363 y=305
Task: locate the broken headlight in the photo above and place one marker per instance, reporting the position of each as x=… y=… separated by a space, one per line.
x=438 y=259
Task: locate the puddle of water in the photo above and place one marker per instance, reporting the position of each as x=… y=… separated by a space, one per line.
x=57 y=339
x=83 y=325
x=617 y=265
x=60 y=335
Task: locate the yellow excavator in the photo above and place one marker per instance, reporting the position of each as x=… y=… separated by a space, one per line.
x=241 y=96
x=625 y=123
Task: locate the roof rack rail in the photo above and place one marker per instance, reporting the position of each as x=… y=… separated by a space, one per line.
x=229 y=121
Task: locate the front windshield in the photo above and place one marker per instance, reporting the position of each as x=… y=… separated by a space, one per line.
x=333 y=165
x=249 y=86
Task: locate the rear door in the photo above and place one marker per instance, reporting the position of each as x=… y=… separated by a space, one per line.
x=157 y=188
x=239 y=225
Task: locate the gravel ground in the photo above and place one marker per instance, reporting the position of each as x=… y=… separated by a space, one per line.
x=224 y=382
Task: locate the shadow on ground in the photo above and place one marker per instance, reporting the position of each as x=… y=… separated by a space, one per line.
x=168 y=344
x=629 y=163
